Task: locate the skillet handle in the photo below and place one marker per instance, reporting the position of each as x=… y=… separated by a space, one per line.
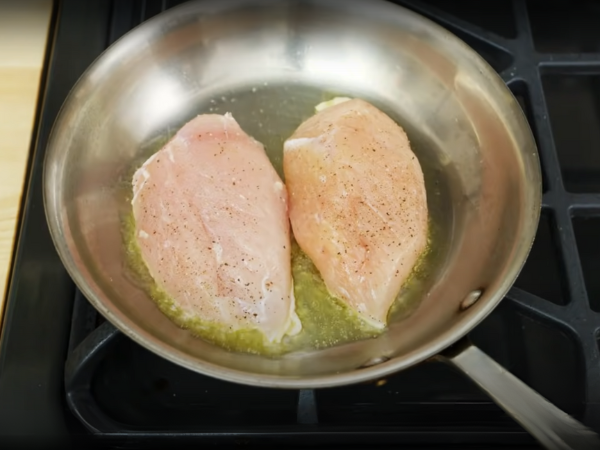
x=553 y=428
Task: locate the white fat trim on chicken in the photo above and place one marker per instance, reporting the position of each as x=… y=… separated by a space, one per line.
x=294 y=325
x=225 y=119
x=151 y=159
x=359 y=313
x=335 y=101
x=170 y=153
x=372 y=322
x=218 y=251
x=165 y=213
x=142 y=170
x=297 y=143
x=344 y=292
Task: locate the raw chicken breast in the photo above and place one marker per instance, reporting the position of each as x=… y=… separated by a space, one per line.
x=358 y=205
x=212 y=225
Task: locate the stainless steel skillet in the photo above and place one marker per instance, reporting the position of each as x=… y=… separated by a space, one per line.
x=269 y=62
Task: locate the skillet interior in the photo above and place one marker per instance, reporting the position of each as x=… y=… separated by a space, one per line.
x=269 y=63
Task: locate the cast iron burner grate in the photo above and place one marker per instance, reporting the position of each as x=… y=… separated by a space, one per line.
x=546 y=333
x=155 y=396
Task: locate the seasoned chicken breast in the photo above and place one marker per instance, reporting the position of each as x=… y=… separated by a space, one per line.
x=212 y=225
x=358 y=205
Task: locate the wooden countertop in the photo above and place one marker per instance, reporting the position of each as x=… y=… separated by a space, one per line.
x=24 y=27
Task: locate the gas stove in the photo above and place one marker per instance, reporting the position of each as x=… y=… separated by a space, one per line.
x=65 y=373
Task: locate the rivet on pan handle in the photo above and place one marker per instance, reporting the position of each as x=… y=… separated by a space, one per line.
x=374 y=361
x=553 y=428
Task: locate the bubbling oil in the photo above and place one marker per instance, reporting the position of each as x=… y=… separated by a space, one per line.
x=271 y=114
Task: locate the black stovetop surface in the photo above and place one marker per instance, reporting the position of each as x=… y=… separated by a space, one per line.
x=66 y=373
